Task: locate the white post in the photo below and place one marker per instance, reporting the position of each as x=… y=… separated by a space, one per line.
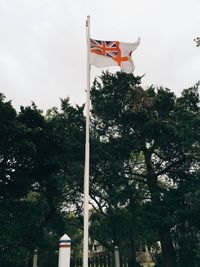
x=35 y=258
x=64 y=251
x=117 y=261
x=87 y=154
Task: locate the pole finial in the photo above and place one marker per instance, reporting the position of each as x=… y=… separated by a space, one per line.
x=87 y=21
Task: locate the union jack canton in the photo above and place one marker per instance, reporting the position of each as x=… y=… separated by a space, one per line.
x=108 y=49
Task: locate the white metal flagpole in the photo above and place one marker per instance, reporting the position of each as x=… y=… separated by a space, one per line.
x=87 y=154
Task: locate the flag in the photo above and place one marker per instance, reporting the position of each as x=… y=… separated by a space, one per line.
x=112 y=53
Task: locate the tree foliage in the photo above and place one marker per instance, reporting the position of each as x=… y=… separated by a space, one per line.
x=197 y=41
x=150 y=137
x=144 y=184
x=41 y=162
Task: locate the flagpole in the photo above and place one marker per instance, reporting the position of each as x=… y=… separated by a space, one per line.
x=87 y=154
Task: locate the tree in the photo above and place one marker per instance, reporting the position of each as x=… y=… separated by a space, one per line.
x=162 y=129
x=58 y=139
x=15 y=180
x=197 y=41
x=112 y=179
x=40 y=165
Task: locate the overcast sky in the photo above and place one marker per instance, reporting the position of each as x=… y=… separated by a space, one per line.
x=43 y=45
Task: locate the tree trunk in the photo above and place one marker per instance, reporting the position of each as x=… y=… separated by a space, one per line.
x=168 y=251
x=132 y=262
x=132 y=259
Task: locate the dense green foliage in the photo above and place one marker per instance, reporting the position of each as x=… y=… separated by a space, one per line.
x=41 y=163
x=148 y=162
x=144 y=182
x=197 y=41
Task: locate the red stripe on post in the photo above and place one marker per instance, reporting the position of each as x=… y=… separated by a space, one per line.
x=64 y=246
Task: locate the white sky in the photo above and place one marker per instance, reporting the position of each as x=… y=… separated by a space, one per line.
x=43 y=45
